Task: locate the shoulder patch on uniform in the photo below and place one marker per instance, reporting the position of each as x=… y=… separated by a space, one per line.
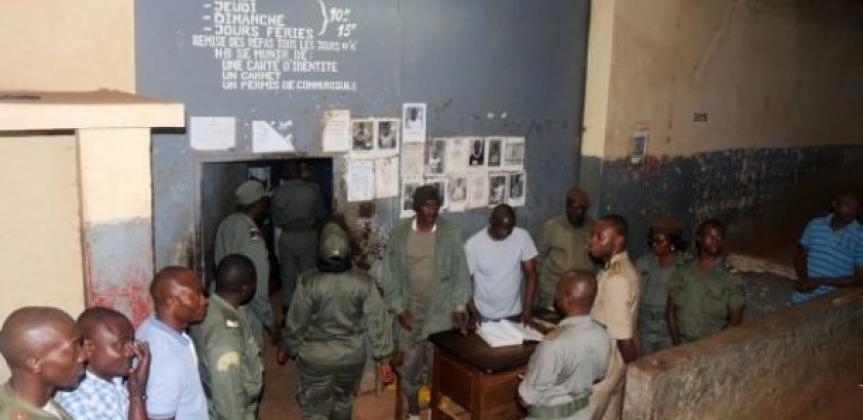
x=227 y=360
x=613 y=268
x=232 y=323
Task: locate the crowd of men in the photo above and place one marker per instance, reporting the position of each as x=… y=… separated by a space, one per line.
x=199 y=354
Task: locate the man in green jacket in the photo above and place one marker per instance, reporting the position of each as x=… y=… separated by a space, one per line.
x=335 y=314
x=42 y=347
x=229 y=357
x=426 y=283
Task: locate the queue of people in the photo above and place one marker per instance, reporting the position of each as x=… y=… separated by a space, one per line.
x=200 y=357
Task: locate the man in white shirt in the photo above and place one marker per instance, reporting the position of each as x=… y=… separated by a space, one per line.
x=501 y=262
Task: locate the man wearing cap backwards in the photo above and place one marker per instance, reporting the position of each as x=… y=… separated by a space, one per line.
x=298 y=210
x=562 y=246
x=239 y=234
x=667 y=254
x=335 y=314
x=426 y=282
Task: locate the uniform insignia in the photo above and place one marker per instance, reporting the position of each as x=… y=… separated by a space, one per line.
x=613 y=268
x=255 y=234
x=232 y=323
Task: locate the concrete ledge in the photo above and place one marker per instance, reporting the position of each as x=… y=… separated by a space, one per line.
x=774 y=368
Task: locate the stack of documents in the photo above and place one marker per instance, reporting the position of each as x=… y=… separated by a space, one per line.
x=506 y=333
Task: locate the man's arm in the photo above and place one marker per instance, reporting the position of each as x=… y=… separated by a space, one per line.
x=846 y=281
x=226 y=380
x=296 y=323
x=136 y=385
x=735 y=316
x=529 y=269
x=671 y=319
x=620 y=324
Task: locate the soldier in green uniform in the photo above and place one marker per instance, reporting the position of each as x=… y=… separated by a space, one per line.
x=705 y=296
x=667 y=254
x=42 y=347
x=336 y=317
x=562 y=246
x=239 y=234
x=229 y=357
x=298 y=210
x=562 y=369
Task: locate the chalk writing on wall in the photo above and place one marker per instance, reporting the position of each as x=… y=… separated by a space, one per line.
x=263 y=51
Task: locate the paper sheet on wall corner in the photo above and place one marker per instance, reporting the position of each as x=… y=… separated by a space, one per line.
x=266 y=139
x=360 y=180
x=212 y=133
x=337 y=130
x=386 y=177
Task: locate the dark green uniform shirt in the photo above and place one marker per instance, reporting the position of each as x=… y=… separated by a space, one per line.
x=561 y=247
x=703 y=300
x=13 y=407
x=230 y=362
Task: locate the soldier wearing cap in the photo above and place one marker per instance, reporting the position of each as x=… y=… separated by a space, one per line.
x=562 y=246
x=239 y=234
x=667 y=254
x=616 y=307
x=298 y=212
x=229 y=357
x=426 y=283
x=705 y=295
x=335 y=318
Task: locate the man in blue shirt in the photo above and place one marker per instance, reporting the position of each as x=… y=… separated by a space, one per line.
x=112 y=389
x=174 y=388
x=830 y=253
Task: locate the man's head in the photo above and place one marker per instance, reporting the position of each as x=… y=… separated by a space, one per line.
x=575 y=292
x=252 y=198
x=108 y=337
x=577 y=203
x=664 y=237
x=710 y=237
x=427 y=202
x=42 y=345
x=177 y=296
x=501 y=222
x=334 y=249
x=236 y=279
x=846 y=207
x=608 y=236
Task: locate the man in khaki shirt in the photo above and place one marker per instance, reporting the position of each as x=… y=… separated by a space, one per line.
x=616 y=307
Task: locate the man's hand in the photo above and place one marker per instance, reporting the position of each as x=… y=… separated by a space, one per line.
x=138 y=374
x=282 y=357
x=461 y=321
x=406 y=320
x=526 y=315
x=474 y=317
x=275 y=335
x=385 y=371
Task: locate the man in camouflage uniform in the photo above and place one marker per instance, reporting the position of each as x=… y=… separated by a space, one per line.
x=229 y=357
x=705 y=296
x=336 y=317
x=563 y=246
x=239 y=234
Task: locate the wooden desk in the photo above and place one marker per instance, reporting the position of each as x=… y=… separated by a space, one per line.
x=482 y=379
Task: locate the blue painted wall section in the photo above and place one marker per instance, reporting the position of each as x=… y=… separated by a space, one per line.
x=731 y=185
x=471 y=61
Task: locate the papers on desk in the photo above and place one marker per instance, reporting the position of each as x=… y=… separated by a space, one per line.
x=506 y=333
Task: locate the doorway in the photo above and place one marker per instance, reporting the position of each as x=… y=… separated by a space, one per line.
x=218 y=181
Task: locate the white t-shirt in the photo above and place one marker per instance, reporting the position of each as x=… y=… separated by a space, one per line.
x=496 y=270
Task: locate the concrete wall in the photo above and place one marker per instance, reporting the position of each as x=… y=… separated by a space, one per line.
x=778 y=367
x=61 y=46
x=777 y=81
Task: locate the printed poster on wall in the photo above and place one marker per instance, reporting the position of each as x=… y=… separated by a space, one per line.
x=337 y=130
x=513 y=158
x=477 y=190
x=414 y=122
x=387 y=177
x=517 y=184
x=457 y=193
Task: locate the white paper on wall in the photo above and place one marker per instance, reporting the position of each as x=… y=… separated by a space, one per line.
x=360 y=180
x=272 y=136
x=337 y=130
x=387 y=177
x=212 y=133
x=477 y=190
x=414 y=122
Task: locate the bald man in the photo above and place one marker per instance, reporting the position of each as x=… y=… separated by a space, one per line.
x=112 y=389
x=42 y=347
x=562 y=370
x=174 y=389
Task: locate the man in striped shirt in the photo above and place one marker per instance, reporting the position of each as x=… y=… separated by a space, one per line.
x=830 y=253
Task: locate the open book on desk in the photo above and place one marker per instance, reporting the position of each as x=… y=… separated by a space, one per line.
x=506 y=333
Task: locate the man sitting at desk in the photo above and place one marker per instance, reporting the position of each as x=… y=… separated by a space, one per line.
x=562 y=370
x=500 y=257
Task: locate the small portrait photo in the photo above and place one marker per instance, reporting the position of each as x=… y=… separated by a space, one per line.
x=477 y=153
x=495 y=151
x=517 y=189
x=457 y=189
x=388 y=135
x=496 y=189
x=437 y=157
x=408 y=196
x=514 y=156
x=363 y=135
x=415 y=117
